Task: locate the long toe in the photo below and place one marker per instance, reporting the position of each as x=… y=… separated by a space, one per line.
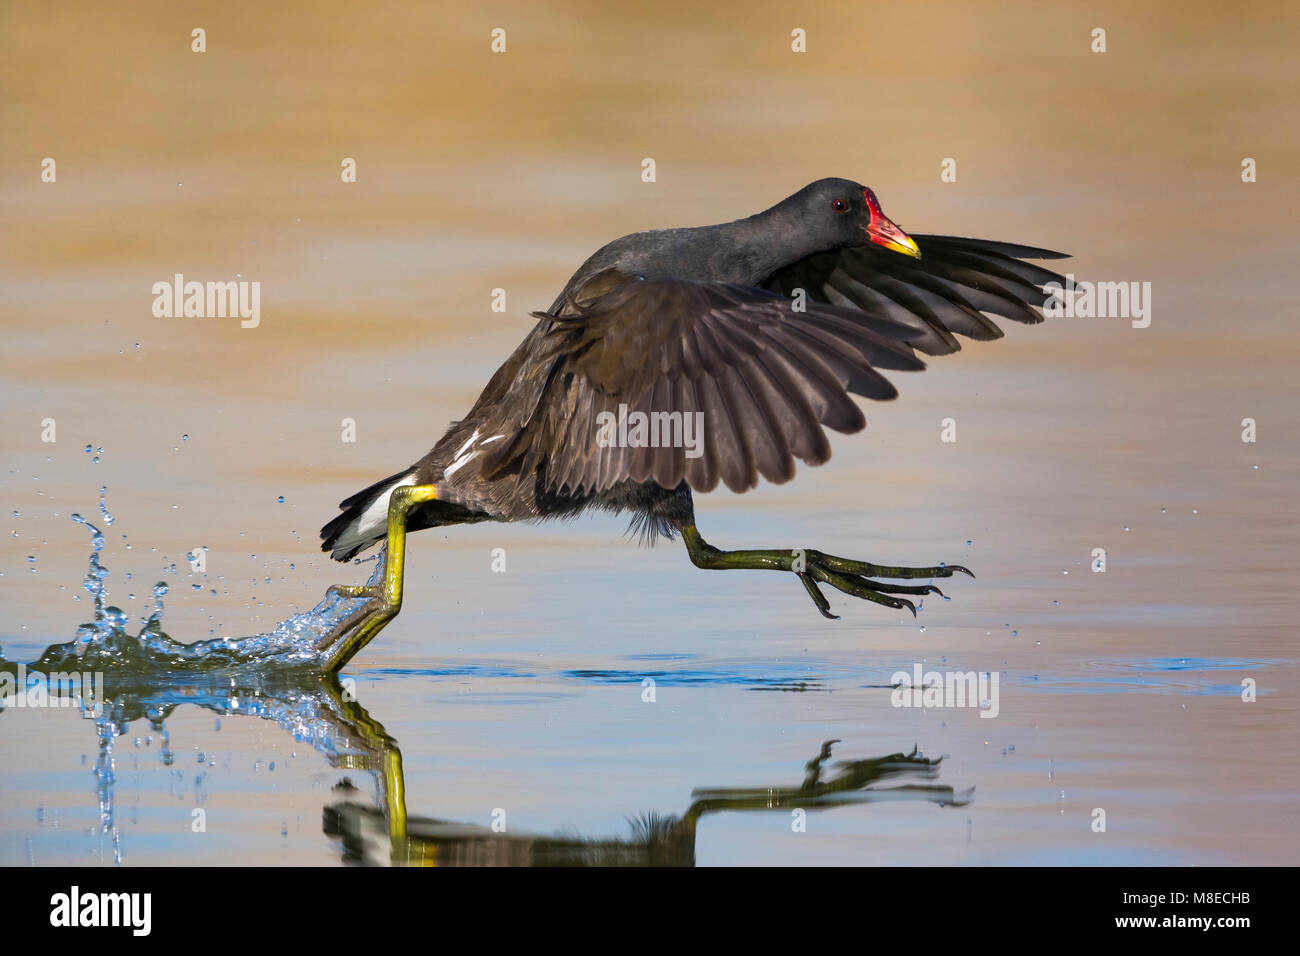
x=819 y=599
x=857 y=587
x=869 y=570
x=349 y=624
x=887 y=588
x=353 y=590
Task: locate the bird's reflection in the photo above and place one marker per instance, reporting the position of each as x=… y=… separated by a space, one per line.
x=369 y=837
x=322 y=711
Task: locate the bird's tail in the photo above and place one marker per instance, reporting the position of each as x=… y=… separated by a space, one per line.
x=364 y=519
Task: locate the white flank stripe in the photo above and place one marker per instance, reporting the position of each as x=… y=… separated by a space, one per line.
x=457 y=465
x=472 y=438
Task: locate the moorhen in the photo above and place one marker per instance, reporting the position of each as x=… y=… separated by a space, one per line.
x=678 y=358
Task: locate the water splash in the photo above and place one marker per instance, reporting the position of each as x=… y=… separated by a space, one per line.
x=105 y=643
x=103 y=505
x=274 y=676
x=314 y=708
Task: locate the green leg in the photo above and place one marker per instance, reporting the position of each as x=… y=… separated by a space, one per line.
x=382 y=755
x=813 y=567
x=358 y=629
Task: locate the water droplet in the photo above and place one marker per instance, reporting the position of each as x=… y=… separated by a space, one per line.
x=280 y=499
x=185 y=438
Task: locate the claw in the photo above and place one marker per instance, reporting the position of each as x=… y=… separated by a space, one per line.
x=815 y=593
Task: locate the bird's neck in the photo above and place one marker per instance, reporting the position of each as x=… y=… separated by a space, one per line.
x=763 y=244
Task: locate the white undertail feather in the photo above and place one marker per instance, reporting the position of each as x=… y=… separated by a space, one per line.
x=372 y=523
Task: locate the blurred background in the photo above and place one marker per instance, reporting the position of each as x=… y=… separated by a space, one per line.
x=479 y=171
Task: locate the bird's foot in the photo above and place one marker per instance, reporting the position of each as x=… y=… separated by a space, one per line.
x=858 y=578
x=355 y=631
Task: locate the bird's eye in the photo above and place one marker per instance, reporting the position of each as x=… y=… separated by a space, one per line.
x=840 y=205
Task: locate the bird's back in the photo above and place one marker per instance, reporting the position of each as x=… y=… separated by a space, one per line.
x=735 y=251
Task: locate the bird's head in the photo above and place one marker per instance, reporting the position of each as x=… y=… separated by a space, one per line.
x=846 y=213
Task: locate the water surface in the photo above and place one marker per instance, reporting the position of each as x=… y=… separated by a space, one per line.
x=521 y=696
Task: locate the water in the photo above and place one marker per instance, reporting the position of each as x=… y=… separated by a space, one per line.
x=277 y=677
x=524 y=690
x=274 y=678
x=105 y=643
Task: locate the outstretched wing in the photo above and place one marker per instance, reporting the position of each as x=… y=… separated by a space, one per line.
x=758 y=377
x=941 y=295
x=761 y=372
